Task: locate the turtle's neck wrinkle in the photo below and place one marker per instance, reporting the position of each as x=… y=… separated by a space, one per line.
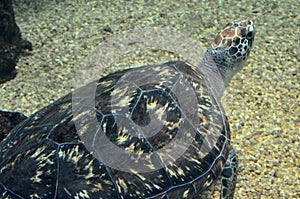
x=215 y=78
x=218 y=70
x=211 y=70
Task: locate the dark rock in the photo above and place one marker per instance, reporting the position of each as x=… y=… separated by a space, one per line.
x=8 y=120
x=11 y=43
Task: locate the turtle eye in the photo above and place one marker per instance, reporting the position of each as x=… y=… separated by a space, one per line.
x=242 y=32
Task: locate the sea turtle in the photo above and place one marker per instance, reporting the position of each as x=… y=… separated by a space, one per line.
x=155 y=131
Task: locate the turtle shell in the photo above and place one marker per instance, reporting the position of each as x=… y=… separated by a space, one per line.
x=155 y=131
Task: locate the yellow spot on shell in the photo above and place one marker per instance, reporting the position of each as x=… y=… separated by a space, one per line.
x=122 y=139
x=185 y=194
x=123 y=186
x=82 y=194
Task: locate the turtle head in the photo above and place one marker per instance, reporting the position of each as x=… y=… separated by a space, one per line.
x=231 y=48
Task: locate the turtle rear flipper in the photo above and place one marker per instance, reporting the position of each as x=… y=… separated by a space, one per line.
x=229 y=175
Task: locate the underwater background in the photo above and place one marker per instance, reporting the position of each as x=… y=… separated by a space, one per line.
x=262 y=100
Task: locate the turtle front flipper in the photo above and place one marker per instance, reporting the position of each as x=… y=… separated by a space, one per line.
x=229 y=175
x=8 y=120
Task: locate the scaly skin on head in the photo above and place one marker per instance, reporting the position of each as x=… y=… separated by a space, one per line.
x=228 y=53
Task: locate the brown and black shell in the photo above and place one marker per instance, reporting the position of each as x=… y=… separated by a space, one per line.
x=47 y=156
